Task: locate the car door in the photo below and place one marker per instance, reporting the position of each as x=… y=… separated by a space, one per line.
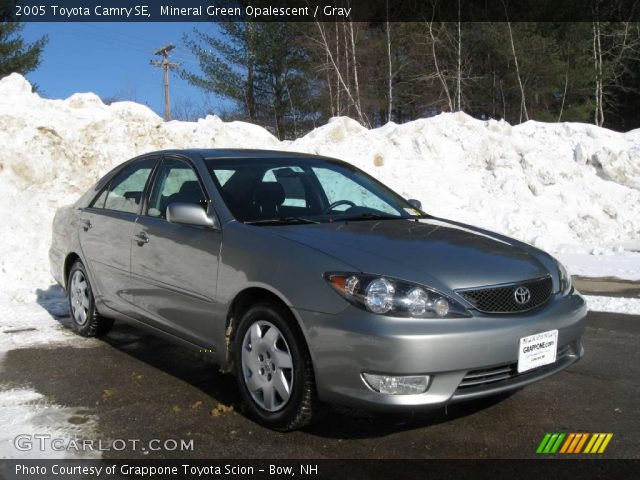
x=174 y=267
x=105 y=231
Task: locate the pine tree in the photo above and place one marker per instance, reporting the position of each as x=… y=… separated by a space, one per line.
x=262 y=68
x=15 y=54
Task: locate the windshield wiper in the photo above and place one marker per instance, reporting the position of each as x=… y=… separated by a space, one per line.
x=281 y=221
x=369 y=216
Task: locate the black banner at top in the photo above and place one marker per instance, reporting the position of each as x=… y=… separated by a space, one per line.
x=319 y=10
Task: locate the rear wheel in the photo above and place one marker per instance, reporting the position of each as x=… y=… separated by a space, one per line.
x=274 y=369
x=85 y=319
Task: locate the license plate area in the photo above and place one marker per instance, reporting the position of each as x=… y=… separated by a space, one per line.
x=537 y=350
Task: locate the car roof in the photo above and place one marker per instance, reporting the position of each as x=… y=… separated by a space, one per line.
x=227 y=153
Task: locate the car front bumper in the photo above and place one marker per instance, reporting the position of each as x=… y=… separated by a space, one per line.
x=466 y=358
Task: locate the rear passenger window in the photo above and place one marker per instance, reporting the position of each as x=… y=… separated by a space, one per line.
x=127 y=188
x=176 y=183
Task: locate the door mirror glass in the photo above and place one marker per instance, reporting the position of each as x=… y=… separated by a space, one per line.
x=189 y=214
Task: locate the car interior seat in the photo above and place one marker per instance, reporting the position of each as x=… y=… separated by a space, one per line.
x=268 y=197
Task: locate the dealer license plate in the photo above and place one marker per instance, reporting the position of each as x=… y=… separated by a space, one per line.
x=537 y=350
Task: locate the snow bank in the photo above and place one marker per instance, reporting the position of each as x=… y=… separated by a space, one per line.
x=558 y=186
x=628 y=306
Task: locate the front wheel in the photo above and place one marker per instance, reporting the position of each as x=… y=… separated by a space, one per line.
x=85 y=319
x=274 y=369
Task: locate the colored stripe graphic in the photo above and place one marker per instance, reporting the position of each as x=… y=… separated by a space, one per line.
x=567 y=443
x=573 y=443
x=605 y=443
x=582 y=442
x=556 y=446
x=543 y=443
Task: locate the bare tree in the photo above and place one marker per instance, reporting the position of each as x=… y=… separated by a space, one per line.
x=439 y=73
x=361 y=114
x=459 y=72
x=523 y=99
x=597 y=64
x=390 y=70
x=324 y=41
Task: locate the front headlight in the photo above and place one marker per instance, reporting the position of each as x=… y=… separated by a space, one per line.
x=565 y=279
x=384 y=295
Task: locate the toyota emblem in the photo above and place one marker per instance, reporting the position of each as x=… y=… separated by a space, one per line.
x=522 y=295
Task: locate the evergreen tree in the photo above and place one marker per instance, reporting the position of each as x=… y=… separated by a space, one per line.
x=262 y=68
x=15 y=54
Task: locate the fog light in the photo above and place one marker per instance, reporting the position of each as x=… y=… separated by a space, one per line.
x=394 y=385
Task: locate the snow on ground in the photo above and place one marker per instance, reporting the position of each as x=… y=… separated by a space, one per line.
x=630 y=306
x=24 y=411
x=619 y=264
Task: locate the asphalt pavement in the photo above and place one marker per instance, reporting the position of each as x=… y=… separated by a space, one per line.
x=137 y=386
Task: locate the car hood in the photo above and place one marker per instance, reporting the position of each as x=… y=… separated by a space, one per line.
x=441 y=254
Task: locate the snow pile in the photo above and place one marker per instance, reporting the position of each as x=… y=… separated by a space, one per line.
x=561 y=187
x=628 y=306
x=547 y=184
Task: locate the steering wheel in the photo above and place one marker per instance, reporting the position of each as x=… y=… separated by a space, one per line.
x=338 y=203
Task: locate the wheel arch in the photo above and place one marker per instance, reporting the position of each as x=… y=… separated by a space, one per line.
x=241 y=303
x=71 y=258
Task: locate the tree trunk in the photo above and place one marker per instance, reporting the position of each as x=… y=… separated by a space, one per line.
x=523 y=99
x=439 y=73
x=250 y=87
x=361 y=115
x=390 y=81
x=597 y=61
x=564 y=93
x=459 y=75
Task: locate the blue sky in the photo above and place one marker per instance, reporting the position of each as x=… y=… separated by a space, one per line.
x=112 y=60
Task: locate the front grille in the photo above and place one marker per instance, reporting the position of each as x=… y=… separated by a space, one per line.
x=502 y=299
x=476 y=378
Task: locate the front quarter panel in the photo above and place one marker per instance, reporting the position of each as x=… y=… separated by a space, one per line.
x=255 y=257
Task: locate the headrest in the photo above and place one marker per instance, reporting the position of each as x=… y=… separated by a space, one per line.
x=191 y=186
x=269 y=193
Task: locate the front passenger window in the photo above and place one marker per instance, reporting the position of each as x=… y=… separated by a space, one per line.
x=176 y=183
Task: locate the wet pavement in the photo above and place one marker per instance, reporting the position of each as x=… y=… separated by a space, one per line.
x=136 y=386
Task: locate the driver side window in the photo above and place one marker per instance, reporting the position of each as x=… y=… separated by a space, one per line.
x=176 y=182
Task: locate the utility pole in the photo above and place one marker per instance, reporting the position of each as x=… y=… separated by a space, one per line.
x=166 y=65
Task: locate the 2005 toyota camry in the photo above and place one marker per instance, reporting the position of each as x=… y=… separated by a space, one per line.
x=313 y=282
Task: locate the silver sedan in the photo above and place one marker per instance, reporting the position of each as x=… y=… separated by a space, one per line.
x=312 y=281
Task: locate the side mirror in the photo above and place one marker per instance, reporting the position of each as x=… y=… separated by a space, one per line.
x=189 y=214
x=415 y=203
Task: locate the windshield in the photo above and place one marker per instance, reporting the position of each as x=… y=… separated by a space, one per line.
x=266 y=190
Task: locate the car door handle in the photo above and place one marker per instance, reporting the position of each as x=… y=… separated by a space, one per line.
x=86 y=224
x=141 y=238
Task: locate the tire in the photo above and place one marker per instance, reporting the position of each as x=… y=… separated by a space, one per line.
x=271 y=359
x=85 y=319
